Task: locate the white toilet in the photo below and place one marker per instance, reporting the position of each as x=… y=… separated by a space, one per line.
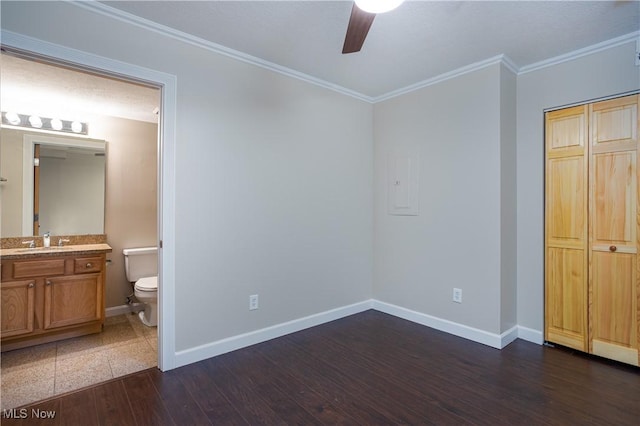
x=141 y=267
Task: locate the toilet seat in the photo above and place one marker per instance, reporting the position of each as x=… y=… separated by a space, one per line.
x=147 y=284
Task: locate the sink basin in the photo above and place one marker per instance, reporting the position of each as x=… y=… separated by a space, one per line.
x=44 y=249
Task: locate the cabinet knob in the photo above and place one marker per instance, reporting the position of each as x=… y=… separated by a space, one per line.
x=49 y=282
x=613 y=248
x=88 y=265
x=31 y=285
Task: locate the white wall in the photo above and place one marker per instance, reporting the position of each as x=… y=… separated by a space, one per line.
x=455 y=241
x=274 y=198
x=601 y=74
x=508 y=200
x=273 y=179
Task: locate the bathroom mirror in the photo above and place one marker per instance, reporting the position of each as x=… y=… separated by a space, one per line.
x=66 y=194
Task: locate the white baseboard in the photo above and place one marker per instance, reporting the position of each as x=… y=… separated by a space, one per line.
x=498 y=341
x=219 y=347
x=530 y=335
x=229 y=344
x=123 y=309
x=508 y=336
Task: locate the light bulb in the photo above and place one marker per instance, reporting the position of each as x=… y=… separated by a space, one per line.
x=378 y=6
x=12 y=118
x=76 y=127
x=35 y=121
x=56 y=124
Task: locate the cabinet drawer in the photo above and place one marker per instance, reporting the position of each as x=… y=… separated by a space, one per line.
x=85 y=265
x=38 y=268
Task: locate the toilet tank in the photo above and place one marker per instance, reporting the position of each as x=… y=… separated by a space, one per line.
x=140 y=262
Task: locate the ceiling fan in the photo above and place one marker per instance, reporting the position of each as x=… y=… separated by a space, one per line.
x=362 y=14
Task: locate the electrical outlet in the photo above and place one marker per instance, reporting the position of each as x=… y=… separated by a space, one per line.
x=253 y=302
x=457 y=295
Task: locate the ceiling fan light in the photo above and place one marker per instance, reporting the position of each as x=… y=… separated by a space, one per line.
x=378 y=6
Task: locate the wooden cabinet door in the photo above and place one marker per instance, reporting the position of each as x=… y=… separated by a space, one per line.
x=17 y=307
x=566 y=227
x=72 y=300
x=613 y=230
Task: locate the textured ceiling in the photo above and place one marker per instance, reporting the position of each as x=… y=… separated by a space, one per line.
x=418 y=41
x=30 y=87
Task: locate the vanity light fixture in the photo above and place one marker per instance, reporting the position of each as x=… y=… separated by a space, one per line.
x=35 y=122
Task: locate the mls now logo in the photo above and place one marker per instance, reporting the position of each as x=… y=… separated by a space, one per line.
x=23 y=413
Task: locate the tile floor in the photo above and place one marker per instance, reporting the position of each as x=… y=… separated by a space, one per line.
x=39 y=372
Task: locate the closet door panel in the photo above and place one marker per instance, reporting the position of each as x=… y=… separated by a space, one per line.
x=566 y=129
x=566 y=193
x=613 y=230
x=613 y=306
x=614 y=198
x=567 y=207
x=614 y=121
x=566 y=302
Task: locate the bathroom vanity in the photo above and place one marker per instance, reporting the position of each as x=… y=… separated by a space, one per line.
x=50 y=294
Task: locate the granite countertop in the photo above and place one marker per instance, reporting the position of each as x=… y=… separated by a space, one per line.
x=78 y=249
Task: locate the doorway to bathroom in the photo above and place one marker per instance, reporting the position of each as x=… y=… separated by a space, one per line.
x=144 y=161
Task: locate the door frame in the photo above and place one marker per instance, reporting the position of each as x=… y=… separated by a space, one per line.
x=167 y=83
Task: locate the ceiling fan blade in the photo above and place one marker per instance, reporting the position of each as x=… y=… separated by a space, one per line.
x=359 y=24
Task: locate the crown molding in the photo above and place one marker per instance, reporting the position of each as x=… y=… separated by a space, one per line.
x=164 y=30
x=589 y=50
x=503 y=59
x=129 y=18
x=499 y=59
x=511 y=66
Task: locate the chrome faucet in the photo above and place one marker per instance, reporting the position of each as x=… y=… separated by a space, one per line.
x=61 y=241
x=32 y=243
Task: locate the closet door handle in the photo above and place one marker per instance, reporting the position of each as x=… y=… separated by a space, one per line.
x=613 y=248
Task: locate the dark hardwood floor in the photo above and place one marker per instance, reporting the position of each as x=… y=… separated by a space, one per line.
x=369 y=369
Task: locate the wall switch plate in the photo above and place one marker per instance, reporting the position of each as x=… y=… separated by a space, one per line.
x=457 y=295
x=253 y=302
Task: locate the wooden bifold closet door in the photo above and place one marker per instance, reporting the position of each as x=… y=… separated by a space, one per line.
x=591 y=228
